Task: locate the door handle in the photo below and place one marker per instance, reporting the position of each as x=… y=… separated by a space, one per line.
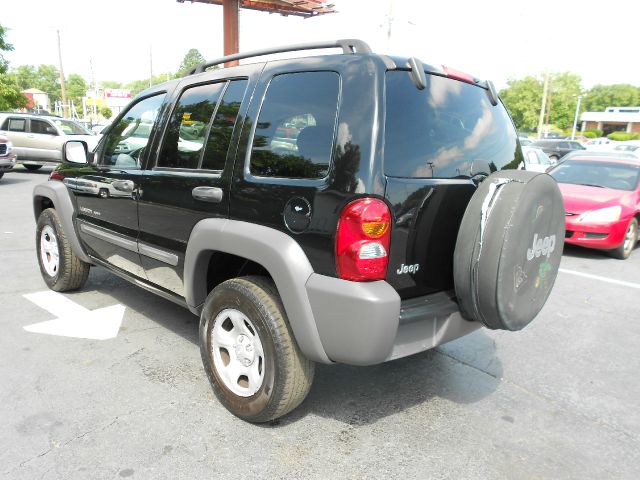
x=207 y=194
x=123 y=185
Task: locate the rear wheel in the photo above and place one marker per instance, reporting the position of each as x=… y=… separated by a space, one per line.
x=61 y=269
x=1 y=174
x=103 y=193
x=33 y=167
x=629 y=243
x=554 y=158
x=249 y=353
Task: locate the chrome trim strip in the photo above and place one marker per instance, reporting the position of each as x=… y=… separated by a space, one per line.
x=158 y=254
x=130 y=245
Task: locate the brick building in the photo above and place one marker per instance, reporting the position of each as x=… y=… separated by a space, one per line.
x=613 y=119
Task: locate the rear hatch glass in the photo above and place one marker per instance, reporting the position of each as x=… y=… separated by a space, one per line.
x=436 y=141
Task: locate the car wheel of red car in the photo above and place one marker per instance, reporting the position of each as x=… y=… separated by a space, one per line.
x=629 y=242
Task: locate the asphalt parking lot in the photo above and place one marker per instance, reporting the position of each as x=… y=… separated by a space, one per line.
x=558 y=400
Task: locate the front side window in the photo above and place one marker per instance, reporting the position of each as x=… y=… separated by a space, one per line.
x=187 y=129
x=294 y=132
x=41 y=126
x=448 y=130
x=126 y=140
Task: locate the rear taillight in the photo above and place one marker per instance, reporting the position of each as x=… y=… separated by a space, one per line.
x=362 y=240
x=56 y=175
x=458 y=75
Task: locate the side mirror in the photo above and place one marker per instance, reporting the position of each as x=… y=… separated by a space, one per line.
x=51 y=131
x=74 y=151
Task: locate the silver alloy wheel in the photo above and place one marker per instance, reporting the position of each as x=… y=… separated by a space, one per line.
x=49 y=252
x=238 y=356
x=630 y=238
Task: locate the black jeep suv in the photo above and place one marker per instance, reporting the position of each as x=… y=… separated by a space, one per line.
x=350 y=208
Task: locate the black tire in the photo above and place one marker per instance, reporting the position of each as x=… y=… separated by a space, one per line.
x=509 y=248
x=103 y=193
x=33 y=167
x=71 y=272
x=554 y=158
x=626 y=247
x=1 y=174
x=287 y=375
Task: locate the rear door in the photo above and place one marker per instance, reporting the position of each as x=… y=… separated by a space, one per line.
x=17 y=129
x=439 y=142
x=190 y=179
x=107 y=192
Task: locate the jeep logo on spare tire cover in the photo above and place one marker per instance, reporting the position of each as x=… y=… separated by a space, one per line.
x=509 y=248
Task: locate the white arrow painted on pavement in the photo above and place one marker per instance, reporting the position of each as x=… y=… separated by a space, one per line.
x=74 y=320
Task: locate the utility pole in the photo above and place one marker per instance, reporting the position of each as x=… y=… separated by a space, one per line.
x=65 y=107
x=575 y=118
x=550 y=91
x=95 y=91
x=545 y=90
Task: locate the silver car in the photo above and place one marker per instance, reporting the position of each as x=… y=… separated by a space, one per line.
x=38 y=139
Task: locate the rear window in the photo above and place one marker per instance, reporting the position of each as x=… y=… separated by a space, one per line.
x=448 y=130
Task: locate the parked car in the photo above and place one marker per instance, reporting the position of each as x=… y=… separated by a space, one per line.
x=598 y=144
x=525 y=142
x=602 y=202
x=554 y=135
x=38 y=139
x=7 y=156
x=535 y=160
x=630 y=147
x=556 y=149
x=329 y=249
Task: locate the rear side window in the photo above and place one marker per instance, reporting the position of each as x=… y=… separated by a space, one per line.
x=15 y=125
x=187 y=129
x=448 y=130
x=40 y=126
x=294 y=132
x=222 y=127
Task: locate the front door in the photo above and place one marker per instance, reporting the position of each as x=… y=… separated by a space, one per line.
x=191 y=178
x=107 y=192
x=43 y=140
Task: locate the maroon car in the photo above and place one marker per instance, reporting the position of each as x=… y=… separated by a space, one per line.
x=602 y=202
x=7 y=157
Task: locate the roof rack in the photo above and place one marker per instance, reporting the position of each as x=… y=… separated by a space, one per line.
x=349 y=46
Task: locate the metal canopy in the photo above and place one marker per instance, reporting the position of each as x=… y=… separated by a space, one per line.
x=301 y=8
x=230 y=10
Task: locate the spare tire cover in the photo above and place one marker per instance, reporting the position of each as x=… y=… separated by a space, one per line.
x=509 y=248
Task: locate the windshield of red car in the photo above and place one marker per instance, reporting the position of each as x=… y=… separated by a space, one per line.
x=598 y=174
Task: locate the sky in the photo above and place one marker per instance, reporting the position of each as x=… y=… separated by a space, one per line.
x=491 y=39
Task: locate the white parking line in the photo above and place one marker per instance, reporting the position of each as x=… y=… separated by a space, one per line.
x=603 y=279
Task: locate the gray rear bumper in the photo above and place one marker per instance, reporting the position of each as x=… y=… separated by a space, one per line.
x=364 y=323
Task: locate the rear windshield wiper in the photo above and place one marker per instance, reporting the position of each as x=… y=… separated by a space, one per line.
x=591 y=185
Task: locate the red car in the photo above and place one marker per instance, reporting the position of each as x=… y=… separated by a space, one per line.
x=602 y=202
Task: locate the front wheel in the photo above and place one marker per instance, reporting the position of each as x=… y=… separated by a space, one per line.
x=553 y=158
x=61 y=269
x=629 y=243
x=252 y=360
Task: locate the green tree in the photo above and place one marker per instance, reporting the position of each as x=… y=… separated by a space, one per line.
x=110 y=84
x=106 y=112
x=10 y=96
x=25 y=76
x=565 y=89
x=76 y=88
x=522 y=98
x=619 y=95
x=190 y=60
x=48 y=80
